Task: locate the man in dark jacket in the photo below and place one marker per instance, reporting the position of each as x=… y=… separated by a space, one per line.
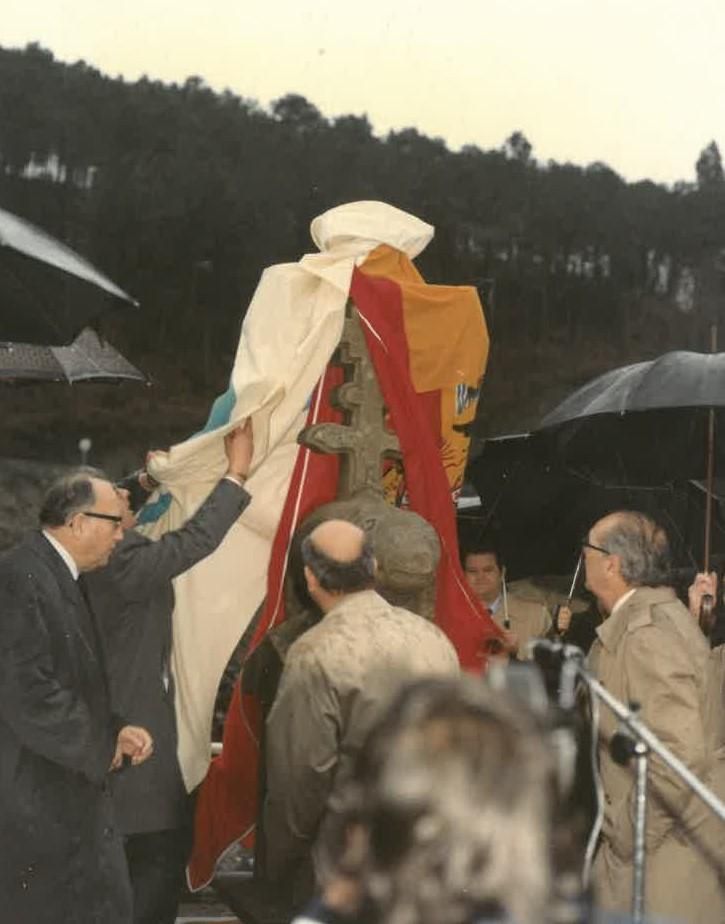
x=61 y=858
x=133 y=599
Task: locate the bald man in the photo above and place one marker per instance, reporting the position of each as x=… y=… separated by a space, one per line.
x=338 y=678
x=649 y=650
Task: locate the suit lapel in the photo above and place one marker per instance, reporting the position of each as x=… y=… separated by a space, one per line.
x=80 y=620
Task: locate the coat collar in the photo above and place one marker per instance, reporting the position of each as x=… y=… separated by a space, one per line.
x=361 y=598
x=82 y=618
x=39 y=545
x=633 y=614
x=64 y=554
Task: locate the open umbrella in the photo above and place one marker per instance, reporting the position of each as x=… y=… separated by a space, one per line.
x=48 y=292
x=87 y=359
x=538 y=511
x=648 y=423
x=644 y=424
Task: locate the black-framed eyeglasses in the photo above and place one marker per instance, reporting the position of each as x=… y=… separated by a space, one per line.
x=586 y=544
x=111 y=517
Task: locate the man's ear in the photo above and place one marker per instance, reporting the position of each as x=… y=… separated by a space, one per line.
x=613 y=566
x=75 y=524
x=312 y=583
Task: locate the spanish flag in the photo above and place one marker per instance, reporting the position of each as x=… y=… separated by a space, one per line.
x=429 y=347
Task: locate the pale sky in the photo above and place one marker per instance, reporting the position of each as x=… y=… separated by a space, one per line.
x=638 y=84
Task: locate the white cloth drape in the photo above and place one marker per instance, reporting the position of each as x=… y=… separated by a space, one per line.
x=291 y=329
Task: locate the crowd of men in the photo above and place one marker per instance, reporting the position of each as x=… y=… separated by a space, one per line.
x=395 y=789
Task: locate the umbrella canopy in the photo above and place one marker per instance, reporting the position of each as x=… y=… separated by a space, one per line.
x=644 y=424
x=537 y=511
x=48 y=292
x=87 y=359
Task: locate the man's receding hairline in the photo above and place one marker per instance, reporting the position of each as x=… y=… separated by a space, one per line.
x=623 y=519
x=328 y=549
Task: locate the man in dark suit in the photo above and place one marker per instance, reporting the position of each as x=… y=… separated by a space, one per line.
x=62 y=858
x=133 y=599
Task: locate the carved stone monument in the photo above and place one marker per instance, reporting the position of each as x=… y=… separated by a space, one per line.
x=406 y=546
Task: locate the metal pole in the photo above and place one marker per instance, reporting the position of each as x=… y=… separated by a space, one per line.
x=640 y=821
x=710 y=462
x=707 y=604
x=505 y=600
x=642 y=733
x=577 y=572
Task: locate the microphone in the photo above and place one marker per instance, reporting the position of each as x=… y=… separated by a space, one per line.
x=555 y=658
x=553 y=649
x=535 y=645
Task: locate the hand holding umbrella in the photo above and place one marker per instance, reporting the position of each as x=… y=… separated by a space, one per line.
x=701 y=595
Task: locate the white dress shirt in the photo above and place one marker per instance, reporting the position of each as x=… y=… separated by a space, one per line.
x=64 y=554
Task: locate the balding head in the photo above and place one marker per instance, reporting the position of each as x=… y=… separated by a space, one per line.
x=338 y=560
x=339 y=540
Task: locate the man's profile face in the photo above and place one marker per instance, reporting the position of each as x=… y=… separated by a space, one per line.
x=595 y=560
x=484 y=575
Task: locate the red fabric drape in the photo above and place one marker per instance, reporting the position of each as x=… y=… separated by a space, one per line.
x=227 y=803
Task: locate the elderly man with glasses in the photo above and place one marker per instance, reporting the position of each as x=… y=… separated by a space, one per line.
x=62 y=859
x=651 y=652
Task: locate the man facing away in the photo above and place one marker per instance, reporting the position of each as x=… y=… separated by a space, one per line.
x=339 y=676
x=62 y=858
x=133 y=599
x=650 y=651
x=521 y=620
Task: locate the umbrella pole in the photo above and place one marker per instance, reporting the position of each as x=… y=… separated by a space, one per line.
x=707 y=601
x=708 y=495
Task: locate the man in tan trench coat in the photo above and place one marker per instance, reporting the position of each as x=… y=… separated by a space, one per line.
x=649 y=650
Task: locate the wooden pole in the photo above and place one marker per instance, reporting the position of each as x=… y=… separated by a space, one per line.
x=706 y=608
x=710 y=463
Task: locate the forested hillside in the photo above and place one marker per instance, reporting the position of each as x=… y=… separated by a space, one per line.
x=182 y=195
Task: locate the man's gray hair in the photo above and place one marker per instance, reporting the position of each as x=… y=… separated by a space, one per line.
x=340 y=576
x=642 y=548
x=68 y=495
x=451 y=799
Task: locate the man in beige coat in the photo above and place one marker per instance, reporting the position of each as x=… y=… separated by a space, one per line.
x=338 y=679
x=649 y=650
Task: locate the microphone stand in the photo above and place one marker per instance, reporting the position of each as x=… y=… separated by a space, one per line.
x=644 y=742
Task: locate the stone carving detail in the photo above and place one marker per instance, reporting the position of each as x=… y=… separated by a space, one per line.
x=363 y=439
x=406 y=545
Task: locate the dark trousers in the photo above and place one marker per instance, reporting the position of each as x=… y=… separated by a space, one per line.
x=156 y=863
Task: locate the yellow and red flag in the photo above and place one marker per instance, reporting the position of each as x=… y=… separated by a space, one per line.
x=429 y=347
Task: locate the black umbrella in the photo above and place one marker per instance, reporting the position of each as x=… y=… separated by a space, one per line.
x=48 y=292
x=537 y=511
x=87 y=359
x=645 y=424
x=649 y=423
